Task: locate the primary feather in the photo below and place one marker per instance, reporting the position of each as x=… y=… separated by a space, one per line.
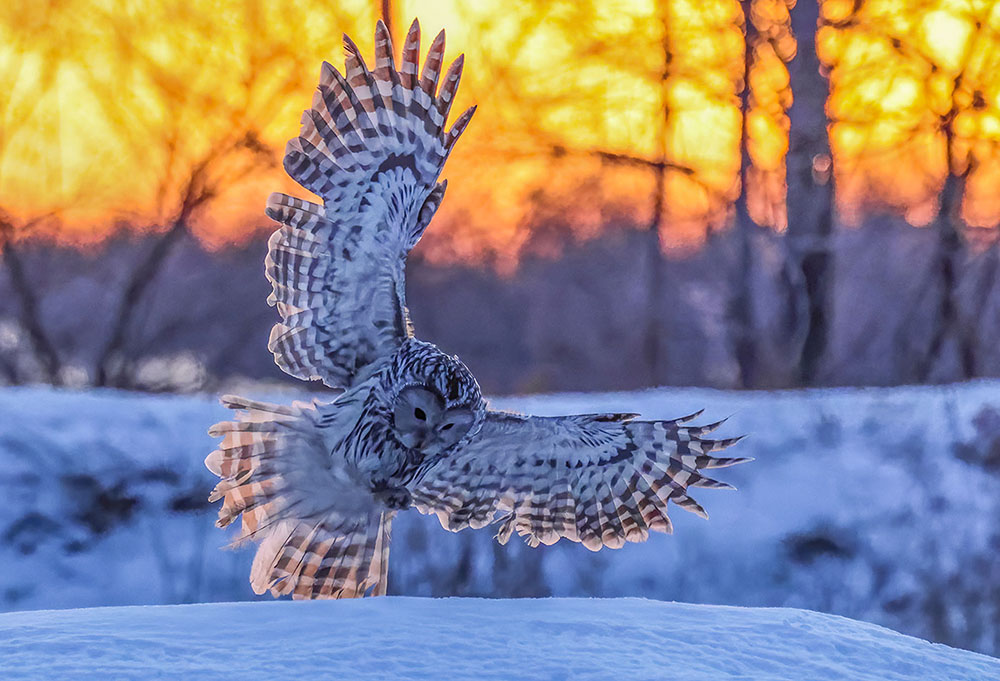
x=372 y=146
x=599 y=479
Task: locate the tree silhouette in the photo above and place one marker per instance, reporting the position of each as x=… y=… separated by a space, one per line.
x=810 y=190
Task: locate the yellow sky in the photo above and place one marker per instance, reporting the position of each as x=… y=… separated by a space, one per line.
x=109 y=106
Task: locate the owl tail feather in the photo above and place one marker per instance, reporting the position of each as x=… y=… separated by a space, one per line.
x=320 y=561
x=319 y=534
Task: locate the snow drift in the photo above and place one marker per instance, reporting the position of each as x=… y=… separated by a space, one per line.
x=417 y=638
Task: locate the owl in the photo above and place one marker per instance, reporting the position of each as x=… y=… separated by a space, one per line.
x=319 y=484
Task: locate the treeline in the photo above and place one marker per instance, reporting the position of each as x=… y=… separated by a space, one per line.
x=576 y=322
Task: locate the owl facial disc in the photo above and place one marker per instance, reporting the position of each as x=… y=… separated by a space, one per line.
x=423 y=421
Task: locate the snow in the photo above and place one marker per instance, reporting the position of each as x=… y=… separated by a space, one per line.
x=418 y=638
x=877 y=504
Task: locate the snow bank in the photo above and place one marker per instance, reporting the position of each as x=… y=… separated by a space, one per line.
x=416 y=638
x=880 y=504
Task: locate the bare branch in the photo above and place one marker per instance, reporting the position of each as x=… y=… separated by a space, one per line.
x=198 y=191
x=614 y=157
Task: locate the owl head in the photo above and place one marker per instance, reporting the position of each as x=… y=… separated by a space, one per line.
x=436 y=402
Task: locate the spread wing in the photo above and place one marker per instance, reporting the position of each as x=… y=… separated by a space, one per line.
x=320 y=534
x=371 y=146
x=599 y=479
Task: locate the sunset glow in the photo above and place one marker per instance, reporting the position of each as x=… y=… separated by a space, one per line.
x=108 y=109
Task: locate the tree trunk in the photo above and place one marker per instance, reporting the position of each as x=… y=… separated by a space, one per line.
x=113 y=366
x=740 y=312
x=947 y=262
x=810 y=191
x=654 y=325
x=42 y=348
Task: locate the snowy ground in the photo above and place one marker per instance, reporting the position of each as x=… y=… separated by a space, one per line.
x=881 y=505
x=455 y=639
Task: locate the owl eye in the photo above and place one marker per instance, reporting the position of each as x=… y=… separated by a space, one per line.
x=420 y=414
x=448 y=426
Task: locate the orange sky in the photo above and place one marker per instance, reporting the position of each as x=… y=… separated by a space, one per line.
x=108 y=106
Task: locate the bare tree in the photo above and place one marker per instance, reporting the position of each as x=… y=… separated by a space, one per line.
x=950 y=252
x=810 y=197
x=950 y=329
x=948 y=258
x=115 y=364
x=652 y=341
x=16 y=111
x=266 y=75
x=41 y=346
x=740 y=302
x=197 y=136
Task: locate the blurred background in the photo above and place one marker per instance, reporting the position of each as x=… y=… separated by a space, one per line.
x=764 y=194
x=651 y=193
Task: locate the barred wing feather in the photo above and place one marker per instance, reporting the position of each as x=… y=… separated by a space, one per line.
x=320 y=535
x=372 y=146
x=599 y=479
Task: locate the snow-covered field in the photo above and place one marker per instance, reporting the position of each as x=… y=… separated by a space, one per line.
x=881 y=505
x=456 y=639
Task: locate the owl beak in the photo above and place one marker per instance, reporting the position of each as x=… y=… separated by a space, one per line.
x=425 y=440
x=421 y=440
x=431 y=444
x=414 y=440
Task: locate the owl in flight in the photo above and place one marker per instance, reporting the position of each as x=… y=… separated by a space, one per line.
x=319 y=484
